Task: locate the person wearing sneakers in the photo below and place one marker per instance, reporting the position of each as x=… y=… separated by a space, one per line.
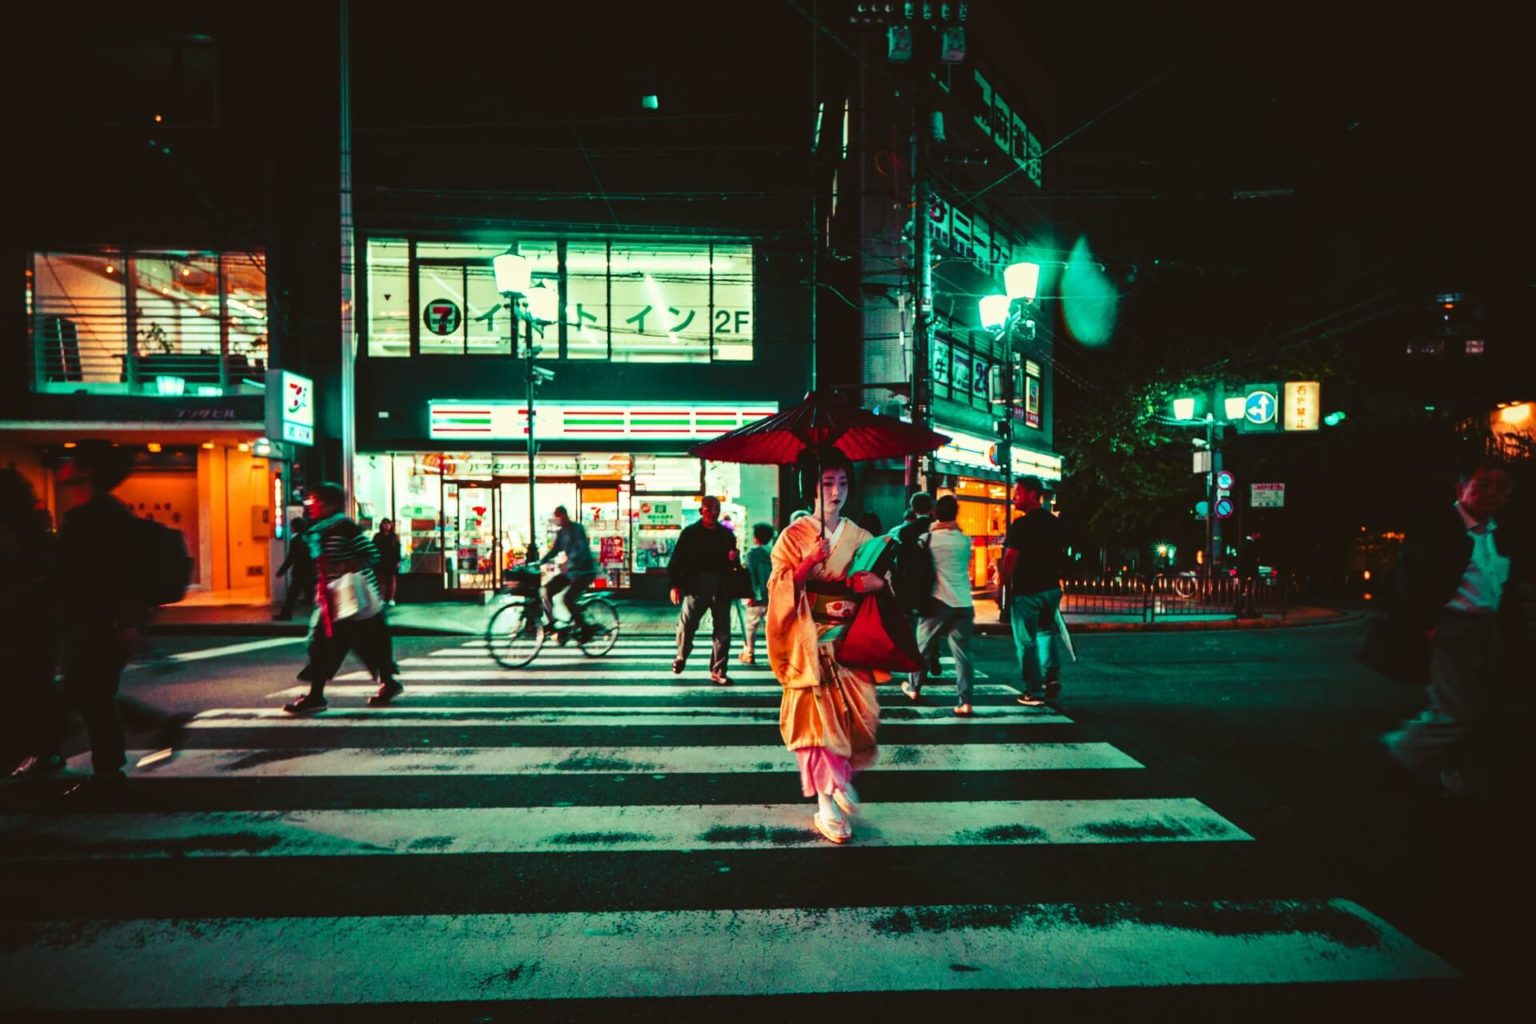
x=705 y=552
x=759 y=568
x=949 y=613
x=339 y=546
x=1032 y=561
x=829 y=712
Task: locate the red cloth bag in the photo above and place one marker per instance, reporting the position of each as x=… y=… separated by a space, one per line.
x=879 y=636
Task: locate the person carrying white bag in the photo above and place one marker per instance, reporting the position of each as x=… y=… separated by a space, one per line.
x=349 y=610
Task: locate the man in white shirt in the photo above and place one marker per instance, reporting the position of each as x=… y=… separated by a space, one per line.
x=1456 y=582
x=950 y=612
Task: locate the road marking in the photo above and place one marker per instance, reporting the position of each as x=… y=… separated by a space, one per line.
x=505 y=830
x=437 y=958
x=672 y=760
x=480 y=684
x=218 y=652
x=259 y=718
x=566 y=658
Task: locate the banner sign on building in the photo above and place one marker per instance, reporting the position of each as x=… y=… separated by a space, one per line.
x=589 y=421
x=972 y=452
x=1302 y=401
x=290 y=407
x=1266 y=495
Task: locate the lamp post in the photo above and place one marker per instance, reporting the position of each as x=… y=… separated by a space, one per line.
x=1011 y=320
x=1221 y=409
x=528 y=306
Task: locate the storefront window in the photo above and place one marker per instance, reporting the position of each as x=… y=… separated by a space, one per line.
x=149 y=323
x=389 y=297
x=629 y=301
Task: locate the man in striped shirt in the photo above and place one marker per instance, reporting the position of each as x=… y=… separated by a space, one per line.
x=339 y=546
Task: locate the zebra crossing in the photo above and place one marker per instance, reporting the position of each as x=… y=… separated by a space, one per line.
x=680 y=796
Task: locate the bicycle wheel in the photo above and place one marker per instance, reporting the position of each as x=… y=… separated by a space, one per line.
x=602 y=620
x=514 y=634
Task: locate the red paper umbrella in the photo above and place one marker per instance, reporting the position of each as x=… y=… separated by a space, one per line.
x=822 y=420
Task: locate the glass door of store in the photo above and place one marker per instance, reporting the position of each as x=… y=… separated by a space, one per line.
x=470 y=514
x=513 y=528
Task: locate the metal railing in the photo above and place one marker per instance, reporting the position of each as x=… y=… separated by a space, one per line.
x=1174 y=595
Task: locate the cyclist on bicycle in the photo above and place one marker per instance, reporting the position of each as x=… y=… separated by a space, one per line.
x=576 y=573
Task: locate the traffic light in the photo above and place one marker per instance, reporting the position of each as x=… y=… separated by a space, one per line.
x=1334 y=418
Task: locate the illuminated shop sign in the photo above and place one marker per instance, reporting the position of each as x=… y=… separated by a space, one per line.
x=590 y=421
x=290 y=407
x=974 y=452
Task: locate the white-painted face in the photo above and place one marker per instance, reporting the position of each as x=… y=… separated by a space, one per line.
x=833 y=491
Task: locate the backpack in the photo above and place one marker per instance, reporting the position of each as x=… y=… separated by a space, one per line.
x=163 y=568
x=913 y=576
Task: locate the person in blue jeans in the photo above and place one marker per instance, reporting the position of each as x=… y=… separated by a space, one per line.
x=1033 y=553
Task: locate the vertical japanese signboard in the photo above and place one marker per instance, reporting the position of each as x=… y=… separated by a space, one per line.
x=1302 y=399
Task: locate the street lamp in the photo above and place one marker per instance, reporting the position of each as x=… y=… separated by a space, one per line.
x=1184 y=411
x=1011 y=319
x=529 y=306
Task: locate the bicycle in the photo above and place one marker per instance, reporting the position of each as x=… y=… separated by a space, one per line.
x=521 y=627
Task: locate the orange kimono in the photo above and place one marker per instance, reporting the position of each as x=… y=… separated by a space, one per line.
x=829 y=712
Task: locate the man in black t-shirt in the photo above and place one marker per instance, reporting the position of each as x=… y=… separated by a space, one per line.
x=1033 y=554
x=705 y=553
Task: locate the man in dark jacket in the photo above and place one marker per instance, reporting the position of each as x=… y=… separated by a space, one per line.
x=915 y=524
x=1457 y=582
x=1033 y=554
x=705 y=553
x=103 y=613
x=301 y=585
x=577 y=571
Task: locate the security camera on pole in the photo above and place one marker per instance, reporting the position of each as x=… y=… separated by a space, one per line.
x=533 y=307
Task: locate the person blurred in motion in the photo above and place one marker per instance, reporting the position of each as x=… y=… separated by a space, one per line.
x=301 y=585
x=387 y=572
x=35 y=725
x=829 y=712
x=103 y=612
x=1457 y=582
x=705 y=553
x=914 y=524
x=759 y=568
x=949 y=613
x=577 y=571
x=339 y=546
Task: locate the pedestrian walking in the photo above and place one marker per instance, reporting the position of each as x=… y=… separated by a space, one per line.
x=301 y=584
x=339 y=547
x=1457 y=582
x=829 y=712
x=949 y=613
x=1246 y=606
x=1033 y=554
x=759 y=568
x=388 y=569
x=34 y=727
x=577 y=571
x=705 y=553
x=105 y=572
x=911 y=575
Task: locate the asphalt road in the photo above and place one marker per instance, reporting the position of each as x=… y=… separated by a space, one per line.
x=1203 y=824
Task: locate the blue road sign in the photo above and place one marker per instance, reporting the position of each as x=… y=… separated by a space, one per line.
x=1224 y=480
x=1260 y=408
x=1223 y=507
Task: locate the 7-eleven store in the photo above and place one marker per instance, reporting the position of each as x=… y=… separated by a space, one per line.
x=621 y=469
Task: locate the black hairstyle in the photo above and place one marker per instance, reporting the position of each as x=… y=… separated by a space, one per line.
x=762 y=533
x=330 y=493
x=1470 y=467
x=946 y=508
x=921 y=503
x=1031 y=483
x=870 y=522
x=18 y=505
x=815 y=461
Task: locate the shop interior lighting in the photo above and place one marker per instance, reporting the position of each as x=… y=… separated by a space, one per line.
x=154 y=448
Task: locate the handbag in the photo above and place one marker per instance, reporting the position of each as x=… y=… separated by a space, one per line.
x=353 y=598
x=738 y=584
x=1397 y=649
x=879 y=636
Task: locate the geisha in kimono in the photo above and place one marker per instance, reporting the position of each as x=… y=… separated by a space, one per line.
x=829 y=713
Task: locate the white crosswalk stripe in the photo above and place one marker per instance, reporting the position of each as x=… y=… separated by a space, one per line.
x=678 y=732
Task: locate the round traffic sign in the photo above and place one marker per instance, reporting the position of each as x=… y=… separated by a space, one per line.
x=1223 y=507
x=1260 y=407
x=1224 y=480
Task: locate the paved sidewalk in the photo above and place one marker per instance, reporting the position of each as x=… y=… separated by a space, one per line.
x=659 y=617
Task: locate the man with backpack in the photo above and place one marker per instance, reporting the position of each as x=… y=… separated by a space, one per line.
x=949 y=611
x=115 y=568
x=911 y=576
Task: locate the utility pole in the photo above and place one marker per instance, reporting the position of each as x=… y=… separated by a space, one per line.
x=922 y=263
x=1215 y=423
